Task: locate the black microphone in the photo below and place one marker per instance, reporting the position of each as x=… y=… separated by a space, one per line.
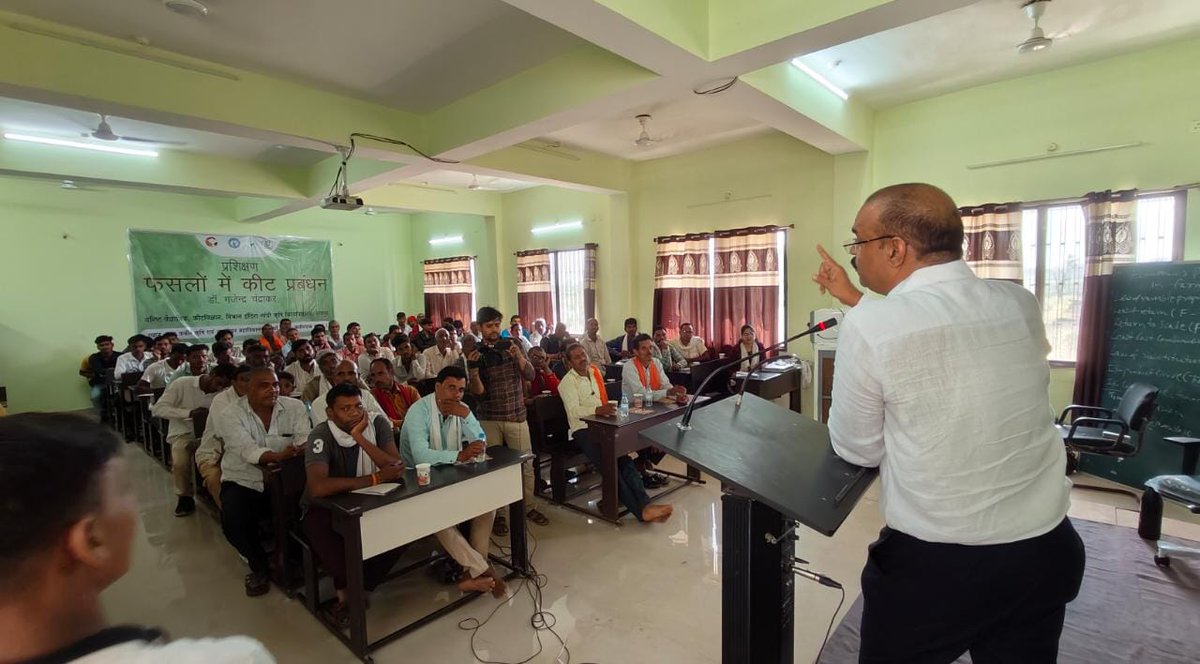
x=685 y=423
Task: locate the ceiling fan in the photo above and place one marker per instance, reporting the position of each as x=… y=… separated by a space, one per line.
x=643 y=140
x=475 y=186
x=104 y=132
x=1038 y=41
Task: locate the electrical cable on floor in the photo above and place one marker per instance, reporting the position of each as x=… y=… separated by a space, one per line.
x=540 y=620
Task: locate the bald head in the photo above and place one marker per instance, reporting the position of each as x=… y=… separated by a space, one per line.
x=924 y=216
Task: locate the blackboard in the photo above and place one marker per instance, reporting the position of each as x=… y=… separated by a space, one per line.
x=1154 y=338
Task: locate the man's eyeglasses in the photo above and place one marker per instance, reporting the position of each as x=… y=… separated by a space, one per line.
x=851 y=246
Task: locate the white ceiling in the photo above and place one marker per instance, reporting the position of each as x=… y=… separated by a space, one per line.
x=413 y=54
x=462 y=180
x=68 y=123
x=977 y=45
x=681 y=125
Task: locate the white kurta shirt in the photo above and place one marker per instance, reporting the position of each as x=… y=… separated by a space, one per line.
x=944 y=385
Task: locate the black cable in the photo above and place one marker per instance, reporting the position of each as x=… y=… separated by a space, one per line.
x=717 y=89
x=396 y=141
x=829 y=630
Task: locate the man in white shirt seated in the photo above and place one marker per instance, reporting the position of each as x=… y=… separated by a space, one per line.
x=346 y=373
x=598 y=352
x=944 y=385
x=442 y=354
x=410 y=365
x=690 y=346
x=196 y=365
x=263 y=429
x=185 y=399
x=304 y=368
x=440 y=429
x=645 y=375
x=226 y=336
x=350 y=450
x=538 y=333
x=212 y=448
x=137 y=360
x=327 y=362
x=68 y=516
x=156 y=375
x=373 y=350
x=222 y=353
x=582 y=392
x=665 y=353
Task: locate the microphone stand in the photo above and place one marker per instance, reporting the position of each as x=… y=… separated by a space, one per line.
x=685 y=423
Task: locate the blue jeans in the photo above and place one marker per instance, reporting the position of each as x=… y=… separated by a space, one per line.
x=97 y=396
x=630 y=489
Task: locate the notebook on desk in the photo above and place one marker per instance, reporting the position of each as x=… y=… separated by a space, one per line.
x=381 y=489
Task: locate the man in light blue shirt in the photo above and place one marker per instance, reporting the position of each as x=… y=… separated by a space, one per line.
x=434 y=432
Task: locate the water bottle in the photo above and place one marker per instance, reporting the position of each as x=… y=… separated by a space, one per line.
x=623 y=407
x=648 y=398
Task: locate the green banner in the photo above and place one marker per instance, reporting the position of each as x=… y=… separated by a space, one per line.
x=195 y=284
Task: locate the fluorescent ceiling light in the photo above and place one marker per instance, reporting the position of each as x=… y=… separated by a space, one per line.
x=820 y=79
x=453 y=239
x=83 y=146
x=566 y=225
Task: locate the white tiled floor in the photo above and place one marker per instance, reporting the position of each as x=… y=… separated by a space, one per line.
x=631 y=594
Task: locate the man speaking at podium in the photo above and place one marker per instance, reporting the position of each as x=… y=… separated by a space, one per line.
x=944 y=385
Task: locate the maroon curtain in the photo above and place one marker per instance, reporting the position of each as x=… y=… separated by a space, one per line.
x=589 y=281
x=535 y=299
x=1111 y=241
x=681 y=284
x=450 y=288
x=746 y=285
x=992 y=241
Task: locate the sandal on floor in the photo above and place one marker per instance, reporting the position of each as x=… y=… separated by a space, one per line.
x=337 y=613
x=500 y=527
x=537 y=517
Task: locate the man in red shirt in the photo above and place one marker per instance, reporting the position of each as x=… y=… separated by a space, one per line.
x=393 y=396
x=544 y=379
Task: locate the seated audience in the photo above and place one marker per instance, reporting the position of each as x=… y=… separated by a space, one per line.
x=185 y=399
x=474 y=332
x=746 y=347
x=289 y=343
x=327 y=361
x=212 y=447
x=597 y=349
x=583 y=394
x=320 y=340
x=104 y=359
x=434 y=432
x=304 y=367
x=226 y=336
x=554 y=343
x=410 y=365
x=196 y=365
x=350 y=450
x=401 y=320
x=346 y=373
x=442 y=354
x=222 y=353
x=414 y=326
x=172 y=338
x=543 y=379
x=136 y=360
x=690 y=346
x=539 y=332
x=263 y=429
x=356 y=331
x=394 y=396
x=68 y=517
x=517 y=336
x=425 y=338
x=373 y=350
x=350 y=350
x=625 y=346
x=156 y=375
x=514 y=319
x=287 y=384
x=335 y=335
x=665 y=353
x=386 y=341
x=643 y=374
x=161 y=348
x=270 y=340
x=255 y=353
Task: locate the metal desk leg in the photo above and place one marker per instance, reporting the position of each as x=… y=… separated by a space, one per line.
x=518 y=545
x=350 y=529
x=610 y=507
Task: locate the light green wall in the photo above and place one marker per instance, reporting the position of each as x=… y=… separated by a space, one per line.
x=58 y=293
x=479 y=240
x=605 y=221
x=1152 y=96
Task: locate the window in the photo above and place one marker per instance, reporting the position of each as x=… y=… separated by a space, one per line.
x=1055 y=259
x=567 y=274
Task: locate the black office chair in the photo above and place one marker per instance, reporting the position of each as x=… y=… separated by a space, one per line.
x=1108 y=432
x=1184 y=489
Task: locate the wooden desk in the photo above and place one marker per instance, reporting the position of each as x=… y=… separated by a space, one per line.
x=616 y=438
x=771 y=385
x=371 y=525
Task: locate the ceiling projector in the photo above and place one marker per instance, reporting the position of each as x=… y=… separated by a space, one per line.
x=341 y=202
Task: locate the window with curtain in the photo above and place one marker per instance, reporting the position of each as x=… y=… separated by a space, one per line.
x=558 y=286
x=720 y=281
x=1055 y=248
x=450 y=288
x=535 y=294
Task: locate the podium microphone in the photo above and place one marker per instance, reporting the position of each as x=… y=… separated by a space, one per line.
x=685 y=423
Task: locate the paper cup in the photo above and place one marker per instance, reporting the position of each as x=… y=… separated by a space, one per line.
x=422 y=474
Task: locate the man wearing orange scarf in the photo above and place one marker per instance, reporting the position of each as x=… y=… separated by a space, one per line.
x=643 y=372
x=583 y=394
